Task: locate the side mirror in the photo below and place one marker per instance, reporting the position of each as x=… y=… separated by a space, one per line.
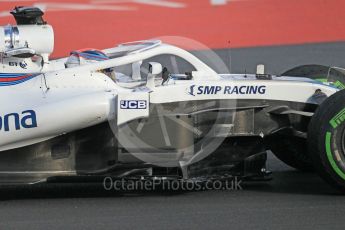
x=154 y=69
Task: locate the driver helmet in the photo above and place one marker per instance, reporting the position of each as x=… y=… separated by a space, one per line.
x=88 y=56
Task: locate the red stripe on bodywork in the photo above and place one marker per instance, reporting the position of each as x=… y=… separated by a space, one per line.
x=13 y=78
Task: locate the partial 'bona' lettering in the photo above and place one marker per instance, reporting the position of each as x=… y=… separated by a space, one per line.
x=27 y=119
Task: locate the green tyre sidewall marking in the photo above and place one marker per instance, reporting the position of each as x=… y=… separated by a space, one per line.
x=331 y=160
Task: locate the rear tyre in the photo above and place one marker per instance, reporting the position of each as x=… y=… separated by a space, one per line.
x=316 y=72
x=326 y=140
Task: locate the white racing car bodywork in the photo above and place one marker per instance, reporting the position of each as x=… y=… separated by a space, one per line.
x=83 y=115
x=52 y=96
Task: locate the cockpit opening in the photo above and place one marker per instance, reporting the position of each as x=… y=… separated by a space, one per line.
x=172 y=68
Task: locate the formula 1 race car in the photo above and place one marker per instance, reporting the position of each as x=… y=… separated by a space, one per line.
x=124 y=112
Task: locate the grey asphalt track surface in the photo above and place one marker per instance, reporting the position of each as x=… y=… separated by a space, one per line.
x=292 y=200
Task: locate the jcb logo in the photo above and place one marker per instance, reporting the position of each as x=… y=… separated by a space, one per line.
x=133 y=104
